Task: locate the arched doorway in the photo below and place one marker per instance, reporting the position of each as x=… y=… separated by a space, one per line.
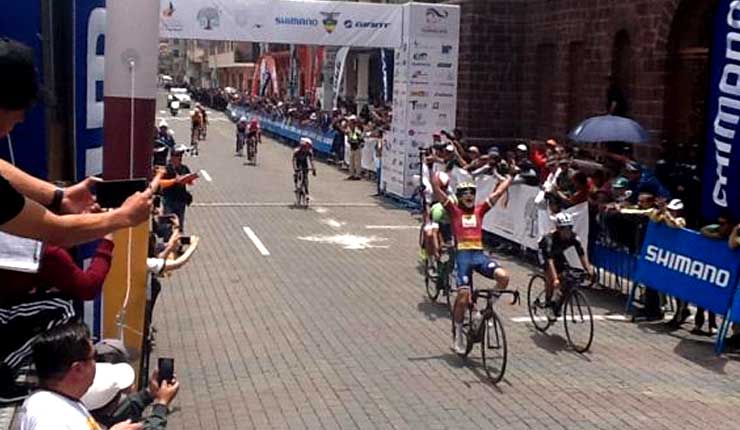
x=687 y=76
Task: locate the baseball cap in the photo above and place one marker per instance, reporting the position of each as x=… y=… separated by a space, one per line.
x=675 y=205
x=109 y=380
x=551 y=142
x=620 y=182
x=450 y=148
x=494 y=152
x=522 y=147
x=113 y=351
x=162 y=123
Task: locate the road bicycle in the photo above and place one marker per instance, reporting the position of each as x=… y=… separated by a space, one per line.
x=252 y=149
x=301 y=192
x=240 y=138
x=573 y=306
x=441 y=281
x=487 y=330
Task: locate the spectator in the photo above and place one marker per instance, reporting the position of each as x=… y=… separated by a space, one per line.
x=580 y=194
x=165 y=136
x=337 y=148
x=65 y=363
x=109 y=399
x=671 y=214
x=642 y=180
x=722 y=230
x=176 y=196
x=28 y=307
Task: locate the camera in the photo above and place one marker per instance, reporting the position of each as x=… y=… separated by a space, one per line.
x=503 y=168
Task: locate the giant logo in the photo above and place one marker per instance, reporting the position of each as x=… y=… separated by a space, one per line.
x=330 y=21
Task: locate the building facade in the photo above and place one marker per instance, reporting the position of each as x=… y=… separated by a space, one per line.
x=535 y=68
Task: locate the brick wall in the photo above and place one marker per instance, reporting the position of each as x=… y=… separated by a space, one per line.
x=535 y=68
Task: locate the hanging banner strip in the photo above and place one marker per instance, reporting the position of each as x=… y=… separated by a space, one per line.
x=284 y=21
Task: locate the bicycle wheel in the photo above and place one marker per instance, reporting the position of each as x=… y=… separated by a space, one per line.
x=578 y=320
x=493 y=347
x=536 y=303
x=430 y=283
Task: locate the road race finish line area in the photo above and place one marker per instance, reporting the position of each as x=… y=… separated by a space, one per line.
x=334 y=330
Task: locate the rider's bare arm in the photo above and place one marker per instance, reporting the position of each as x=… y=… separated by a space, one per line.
x=552 y=274
x=499 y=190
x=438 y=191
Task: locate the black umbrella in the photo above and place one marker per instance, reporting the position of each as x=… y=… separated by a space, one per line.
x=609 y=128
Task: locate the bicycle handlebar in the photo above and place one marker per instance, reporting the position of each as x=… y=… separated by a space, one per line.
x=490 y=293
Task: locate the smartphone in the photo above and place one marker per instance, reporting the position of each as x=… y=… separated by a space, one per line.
x=166 y=368
x=185 y=240
x=112 y=194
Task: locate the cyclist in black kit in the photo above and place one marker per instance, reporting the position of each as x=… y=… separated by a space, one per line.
x=552 y=255
x=303 y=161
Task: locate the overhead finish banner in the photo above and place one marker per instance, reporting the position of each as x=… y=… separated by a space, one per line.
x=323 y=23
x=722 y=166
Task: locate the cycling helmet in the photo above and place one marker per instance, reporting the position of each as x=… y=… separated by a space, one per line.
x=563 y=219
x=464 y=186
x=306 y=142
x=243 y=119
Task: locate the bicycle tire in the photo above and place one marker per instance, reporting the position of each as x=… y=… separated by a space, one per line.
x=575 y=309
x=535 y=304
x=494 y=339
x=430 y=284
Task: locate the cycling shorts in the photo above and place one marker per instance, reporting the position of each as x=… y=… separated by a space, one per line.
x=470 y=260
x=430 y=227
x=252 y=133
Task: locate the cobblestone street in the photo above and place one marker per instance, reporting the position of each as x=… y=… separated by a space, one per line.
x=327 y=325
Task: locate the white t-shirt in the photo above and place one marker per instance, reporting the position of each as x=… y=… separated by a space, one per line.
x=45 y=410
x=155 y=265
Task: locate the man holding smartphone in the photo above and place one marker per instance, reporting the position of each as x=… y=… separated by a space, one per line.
x=37 y=209
x=176 y=195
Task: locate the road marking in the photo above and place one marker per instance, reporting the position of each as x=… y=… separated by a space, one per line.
x=205 y=175
x=333 y=223
x=280 y=204
x=348 y=241
x=321 y=210
x=163 y=112
x=256 y=241
x=392 y=227
x=595 y=318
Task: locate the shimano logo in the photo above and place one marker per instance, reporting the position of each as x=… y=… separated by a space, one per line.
x=688 y=266
x=292 y=20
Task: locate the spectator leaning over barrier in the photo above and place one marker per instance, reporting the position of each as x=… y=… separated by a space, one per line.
x=27 y=308
x=65 y=364
x=110 y=400
x=23 y=197
x=722 y=230
x=642 y=180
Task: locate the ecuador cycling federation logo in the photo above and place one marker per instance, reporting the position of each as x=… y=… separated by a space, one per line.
x=330 y=22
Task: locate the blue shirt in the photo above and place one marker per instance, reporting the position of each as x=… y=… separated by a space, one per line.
x=648 y=183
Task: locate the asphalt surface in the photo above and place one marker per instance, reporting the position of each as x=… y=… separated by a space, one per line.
x=291 y=318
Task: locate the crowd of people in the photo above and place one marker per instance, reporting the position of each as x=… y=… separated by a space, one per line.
x=47 y=357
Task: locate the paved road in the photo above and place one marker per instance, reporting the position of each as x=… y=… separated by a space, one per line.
x=332 y=328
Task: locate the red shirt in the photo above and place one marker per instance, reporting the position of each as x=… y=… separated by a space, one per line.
x=58 y=270
x=467 y=225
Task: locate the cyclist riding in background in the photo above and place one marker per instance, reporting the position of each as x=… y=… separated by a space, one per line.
x=204 y=125
x=241 y=134
x=253 y=130
x=438 y=230
x=467 y=225
x=303 y=161
x=552 y=254
x=196 y=123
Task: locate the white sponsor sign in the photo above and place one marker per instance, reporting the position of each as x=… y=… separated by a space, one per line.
x=324 y=23
x=339 y=63
x=424 y=90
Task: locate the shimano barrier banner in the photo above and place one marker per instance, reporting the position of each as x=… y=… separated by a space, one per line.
x=722 y=160
x=689 y=266
x=326 y=23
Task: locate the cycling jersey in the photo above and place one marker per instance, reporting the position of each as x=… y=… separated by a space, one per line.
x=241 y=127
x=552 y=246
x=467 y=225
x=441 y=218
x=301 y=158
x=254 y=127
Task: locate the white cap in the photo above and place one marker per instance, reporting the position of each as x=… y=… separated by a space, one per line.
x=162 y=123
x=522 y=147
x=450 y=148
x=109 y=380
x=675 y=205
x=352 y=117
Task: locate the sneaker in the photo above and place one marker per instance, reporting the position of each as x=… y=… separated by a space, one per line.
x=459 y=343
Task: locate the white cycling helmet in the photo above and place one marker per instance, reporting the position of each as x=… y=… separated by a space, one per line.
x=306 y=142
x=563 y=219
x=243 y=119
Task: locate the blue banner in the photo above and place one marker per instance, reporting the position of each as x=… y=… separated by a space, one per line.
x=89 y=73
x=21 y=21
x=722 y=160
x=687 y=265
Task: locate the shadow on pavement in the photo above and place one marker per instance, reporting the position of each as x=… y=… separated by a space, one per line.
x=474 y=365
x=434 y=311
x=555 y=343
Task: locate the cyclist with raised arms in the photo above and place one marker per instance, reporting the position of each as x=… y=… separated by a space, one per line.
x=303 y=161
x=552 y=255
x=466 y=219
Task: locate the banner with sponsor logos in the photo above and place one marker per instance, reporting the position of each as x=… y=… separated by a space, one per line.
x=689 y=266
x=424 y=90
x=516 y=217
x=326 y=23
x=722 y=160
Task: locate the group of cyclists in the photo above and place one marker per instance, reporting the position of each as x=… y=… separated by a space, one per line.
x=249 y=135
x=453 y=219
